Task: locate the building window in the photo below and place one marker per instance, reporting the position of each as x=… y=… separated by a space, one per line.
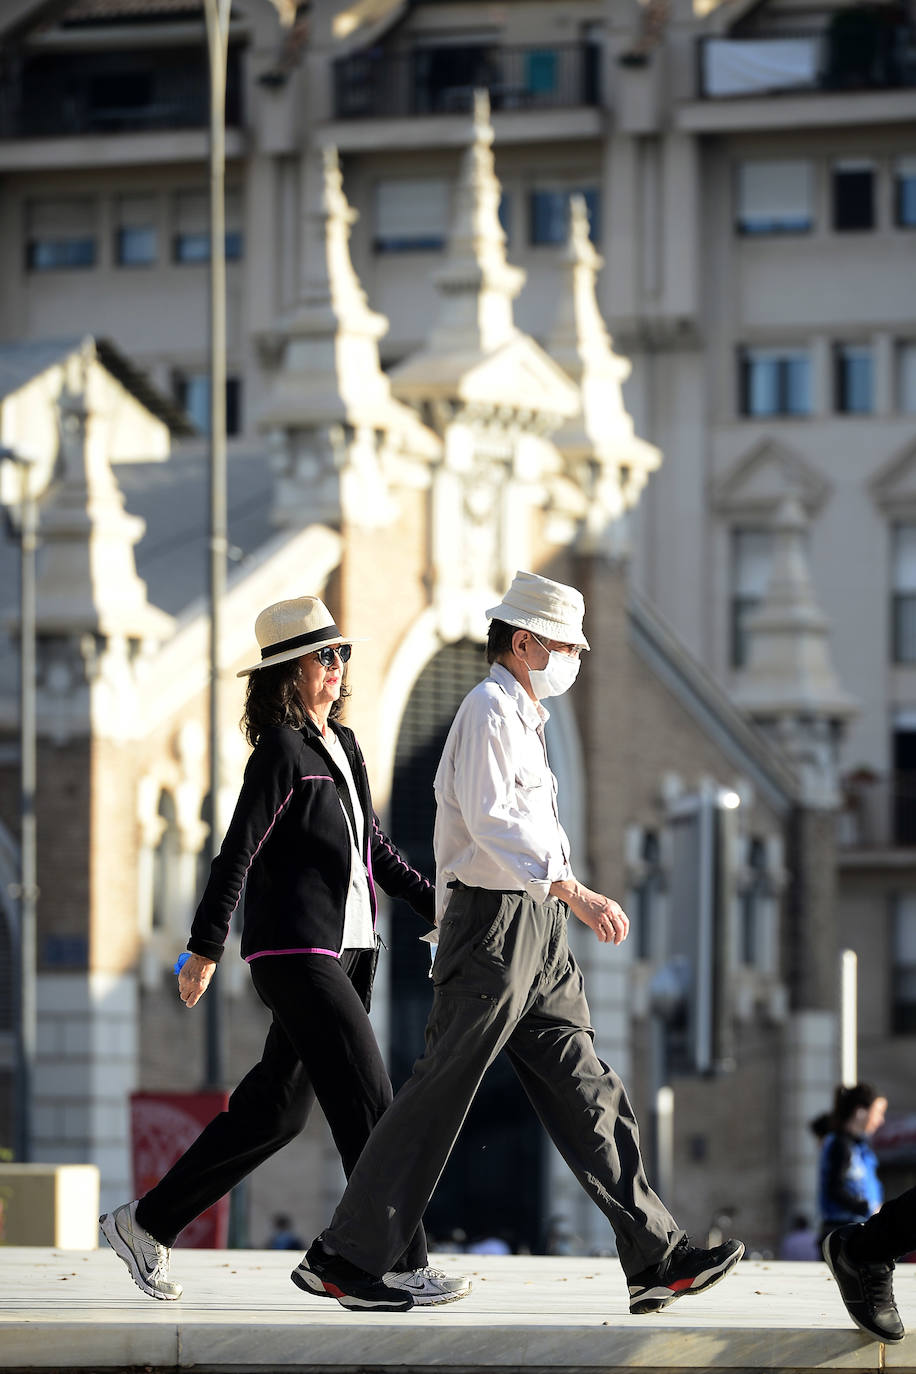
x=754 y=906
x=136 y=238
x=905 y=192
x=750 y=574
x=903 y=964
x=904 y=788
x=192 y=392
x=774 y=198
x=906 y=378
x=775 y=381
x=549 y=214
x=854 y=379
x=191 y=242
x=903 y=595
x=60 y=234
x=411 y=216
x=853 y=195
x=648 y=898
x=505 y=214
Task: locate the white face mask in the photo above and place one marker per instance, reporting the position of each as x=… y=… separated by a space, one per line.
x=559 y=675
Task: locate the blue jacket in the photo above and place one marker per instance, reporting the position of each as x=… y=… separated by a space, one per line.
x=850 y=1189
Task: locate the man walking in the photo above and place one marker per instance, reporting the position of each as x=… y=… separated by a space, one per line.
x=504 y=979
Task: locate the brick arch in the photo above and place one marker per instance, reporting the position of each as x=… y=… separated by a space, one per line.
x=506 y=1196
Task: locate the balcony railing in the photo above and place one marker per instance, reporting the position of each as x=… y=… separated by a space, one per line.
x=858 y=52
x=878 y=813
x=58 y=94
x=442 y=80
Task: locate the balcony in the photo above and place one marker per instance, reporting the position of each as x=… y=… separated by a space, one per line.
x=57 y=94
x=861 y=51
x=878 y=813
x=442 y=80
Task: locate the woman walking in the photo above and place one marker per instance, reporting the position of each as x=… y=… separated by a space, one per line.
x=306 y=845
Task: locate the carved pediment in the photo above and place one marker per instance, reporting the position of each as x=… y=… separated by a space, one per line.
x=754 y=485
x=519 y=376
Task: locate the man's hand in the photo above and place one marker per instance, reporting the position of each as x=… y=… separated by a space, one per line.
x=194 y=978
x=603 y=915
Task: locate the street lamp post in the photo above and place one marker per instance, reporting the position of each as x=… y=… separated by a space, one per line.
x=217 y=20
x=28 y=849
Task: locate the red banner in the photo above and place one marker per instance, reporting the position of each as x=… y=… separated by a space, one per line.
x=162 y=1126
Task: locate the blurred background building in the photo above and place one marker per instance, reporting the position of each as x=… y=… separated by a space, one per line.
x=422 y=399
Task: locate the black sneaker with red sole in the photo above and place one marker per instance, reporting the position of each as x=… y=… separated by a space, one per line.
x=688 y=1269
x=325 y=1275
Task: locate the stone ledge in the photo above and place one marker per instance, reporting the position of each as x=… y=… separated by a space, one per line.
x=70 y=1311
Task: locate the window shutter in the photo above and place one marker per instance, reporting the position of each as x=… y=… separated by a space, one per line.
x=192 y=212
x=136 y=212
x=64 y=218
x=411 y=209
x=774 y=191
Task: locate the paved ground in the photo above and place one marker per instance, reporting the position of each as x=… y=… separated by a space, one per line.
x=73 y=1310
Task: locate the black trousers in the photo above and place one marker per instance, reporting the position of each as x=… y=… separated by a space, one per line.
x=320 y=1045
x=890 y=1233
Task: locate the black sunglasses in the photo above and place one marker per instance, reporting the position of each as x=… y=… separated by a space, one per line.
x=326 y=656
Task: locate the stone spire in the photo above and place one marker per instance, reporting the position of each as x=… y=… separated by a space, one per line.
x=475 y=356
x=789 y=685
x=476 y=283
x=612 y=463
x=330 y=410
x=330 y=368
x=88 y=581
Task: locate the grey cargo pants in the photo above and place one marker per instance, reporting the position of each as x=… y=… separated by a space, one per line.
x=504 y=979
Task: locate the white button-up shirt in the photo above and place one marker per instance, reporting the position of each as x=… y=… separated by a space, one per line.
x=497 y=824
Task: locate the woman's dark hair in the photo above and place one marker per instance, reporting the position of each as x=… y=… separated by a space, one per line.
x=272 y=698
x=821 y=1126
x=499 y=639
x=848 y=1100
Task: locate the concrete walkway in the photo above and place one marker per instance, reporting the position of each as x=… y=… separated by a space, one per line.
x=69 y=1310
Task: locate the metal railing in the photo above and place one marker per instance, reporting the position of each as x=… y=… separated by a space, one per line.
x=110 y=93
x=856 y=52
x=442 y=80
x=878 y=813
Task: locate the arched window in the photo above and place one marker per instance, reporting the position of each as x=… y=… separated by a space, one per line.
x=165 y=862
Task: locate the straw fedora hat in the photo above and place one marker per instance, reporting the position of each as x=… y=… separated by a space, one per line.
x=289 y=629
x=544 y=607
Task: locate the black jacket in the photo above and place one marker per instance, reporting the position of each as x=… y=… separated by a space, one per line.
x=289 y=845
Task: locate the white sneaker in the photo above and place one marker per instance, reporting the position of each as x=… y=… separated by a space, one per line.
x=147 y=1260
x=428 y=1286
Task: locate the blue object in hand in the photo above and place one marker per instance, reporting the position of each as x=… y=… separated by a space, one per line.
x=182 y=960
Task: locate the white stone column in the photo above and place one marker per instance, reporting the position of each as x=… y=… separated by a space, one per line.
x=809 y=1074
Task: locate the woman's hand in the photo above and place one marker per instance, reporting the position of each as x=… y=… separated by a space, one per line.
x=194 y=978
x=603 y=915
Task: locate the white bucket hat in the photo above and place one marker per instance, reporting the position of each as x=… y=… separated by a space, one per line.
x=289 y=629
x=544 y=607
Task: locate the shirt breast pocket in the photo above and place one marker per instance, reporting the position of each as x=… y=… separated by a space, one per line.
x=527 y=781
